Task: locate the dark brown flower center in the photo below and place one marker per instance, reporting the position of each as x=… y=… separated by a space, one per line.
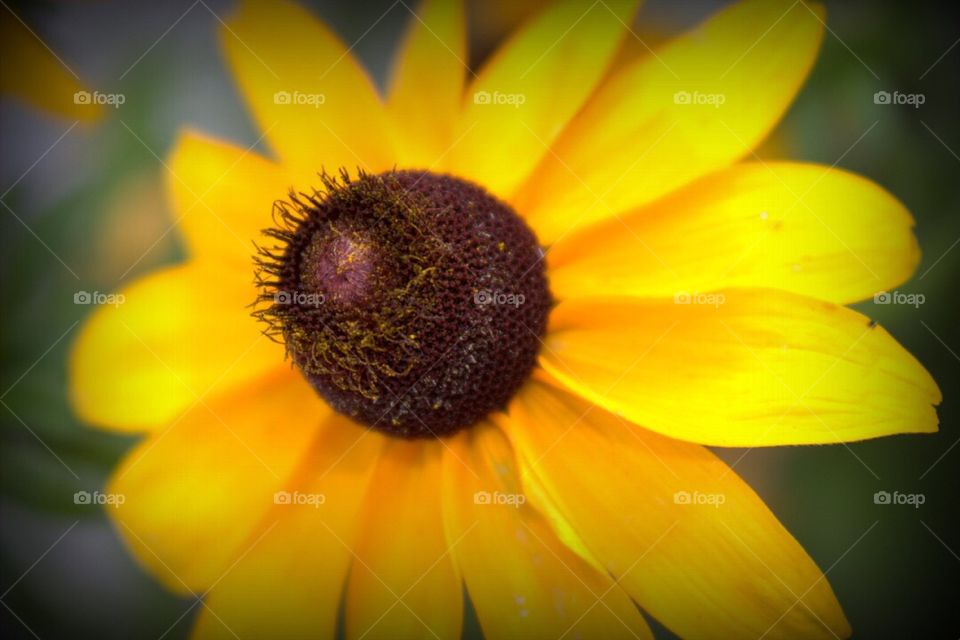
x=412 y=302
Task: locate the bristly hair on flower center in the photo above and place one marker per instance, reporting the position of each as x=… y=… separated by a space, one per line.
x=412 y=302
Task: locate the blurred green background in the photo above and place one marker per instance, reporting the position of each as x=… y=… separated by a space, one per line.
x=92 y=196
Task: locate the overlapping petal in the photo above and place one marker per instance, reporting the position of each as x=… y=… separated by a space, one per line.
x=741 y=368
x=194 y=491
x=523 y=582
x=677 y=529
x=288 y=580
x=700 y=103
x=312 y=100
x=165 y=342
x=812 y=230
x=404 y=583
x=524 y=96
x=223 y=196
x=423 y=106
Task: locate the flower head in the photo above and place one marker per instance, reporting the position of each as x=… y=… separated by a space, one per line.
x=501 y=344
x=385 y=292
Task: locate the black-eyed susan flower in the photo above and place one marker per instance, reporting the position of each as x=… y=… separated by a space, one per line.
x=508 y=310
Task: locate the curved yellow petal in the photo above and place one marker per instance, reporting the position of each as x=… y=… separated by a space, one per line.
x=313 y=102
x=223 y=197
x=541 y=500
x=194 y=491
x=741 y=368
x=164 y=343
x=31 y=71
x=427 y=86
x=812 y=230
x=523 y=582
x=660 y=123
x=403 y=583
x=522 y=99
x=288 y=580
x=674 y=526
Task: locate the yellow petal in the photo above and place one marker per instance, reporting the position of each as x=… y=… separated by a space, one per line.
x=533 y=85
x=289 y=578
x=428 y=83
x=658 y=124
x=223 y=197
x=523 y=582
x=741 y=368
x=812 y=230
x=164 y=343
x=194 y=491
x=403 y=583
x=31 y=71
x=314 y=103
x=674 y=526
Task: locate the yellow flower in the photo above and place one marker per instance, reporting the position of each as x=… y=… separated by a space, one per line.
x=699 y=301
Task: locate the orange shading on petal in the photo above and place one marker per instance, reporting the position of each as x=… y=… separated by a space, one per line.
x=674 y=526
x=404 y=583
x=194 y=491
x=288 y=581
x=523 y=582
